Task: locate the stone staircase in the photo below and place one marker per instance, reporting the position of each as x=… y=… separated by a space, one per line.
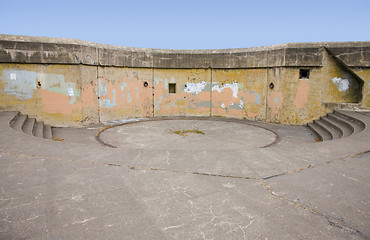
x=336 y=125
x=340 y=124
x=31 y=126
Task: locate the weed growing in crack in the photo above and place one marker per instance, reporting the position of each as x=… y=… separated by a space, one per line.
x=185 y=132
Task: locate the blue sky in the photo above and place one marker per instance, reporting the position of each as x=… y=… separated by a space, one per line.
x=191 y=24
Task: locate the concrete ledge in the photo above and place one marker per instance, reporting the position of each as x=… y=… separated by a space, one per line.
x=26 y=49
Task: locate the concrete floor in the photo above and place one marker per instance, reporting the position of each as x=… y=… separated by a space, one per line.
x=238 y=180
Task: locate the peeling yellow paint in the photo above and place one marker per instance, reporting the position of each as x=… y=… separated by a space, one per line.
x=365 y=75
x=68 y=94
x=181 y=102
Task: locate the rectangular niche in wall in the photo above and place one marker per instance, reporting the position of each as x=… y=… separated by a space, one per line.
x=172 y=87
x=304 y=73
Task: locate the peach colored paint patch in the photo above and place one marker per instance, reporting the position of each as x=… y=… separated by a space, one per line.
x=181 y=103
x=57 y=102
x=251 y=115
x=301 y=97
x=275 y=102
x=249 y=97
x=88 y=96
x=129 y=96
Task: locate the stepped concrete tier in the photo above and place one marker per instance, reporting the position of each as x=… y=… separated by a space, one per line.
x=31 y=126
x=185 y=178
x=339 y=124
x=67 y=82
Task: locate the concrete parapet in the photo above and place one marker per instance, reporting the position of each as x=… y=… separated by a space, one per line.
x=24 y=49
x=74 y=82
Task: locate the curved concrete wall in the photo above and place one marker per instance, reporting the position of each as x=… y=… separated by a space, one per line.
x=73 y=82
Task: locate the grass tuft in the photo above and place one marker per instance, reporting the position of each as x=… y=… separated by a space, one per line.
x=185 y=132
x=58 y=139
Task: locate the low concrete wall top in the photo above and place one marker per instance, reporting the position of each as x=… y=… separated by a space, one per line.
x=43 y=50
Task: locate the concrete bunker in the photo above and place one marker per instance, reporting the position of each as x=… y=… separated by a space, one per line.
x=71 y=82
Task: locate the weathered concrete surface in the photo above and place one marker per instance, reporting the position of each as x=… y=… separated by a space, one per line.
x=144 y=135
x=294 y=189
x=66 y=82
x=27 y=49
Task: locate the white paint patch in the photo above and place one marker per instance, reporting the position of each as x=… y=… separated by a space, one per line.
x=228 y=185
x=19 y=83
x=70 y=92
x=195 y=88
x=14 y=52
x=217 y=88
x=77 y=198
x=343 y=84
x=223 y=105
x=233 y=86
x=114 y=122
x=241 y=104
x=13 y=76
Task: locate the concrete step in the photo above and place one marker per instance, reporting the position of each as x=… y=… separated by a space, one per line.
x=328 y=128
x=19 y=122
x=345 y=125
x=333 y=125
x=14 y=118
x=31 y=126
x=337 y=130
x=48 y=134
x=325 y=129
x=341 y=123
x=28 y=126
x=350 y=117
x=319 y=132
x=38 y=131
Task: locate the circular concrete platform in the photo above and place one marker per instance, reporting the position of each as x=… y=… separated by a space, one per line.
x=188 y=134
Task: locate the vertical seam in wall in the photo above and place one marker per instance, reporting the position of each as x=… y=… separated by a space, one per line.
x=322 y=70
x=153 y=86
x=97 y=84
x=153 y=92
x=267 y=92
x=284 y=57
x=210 y=102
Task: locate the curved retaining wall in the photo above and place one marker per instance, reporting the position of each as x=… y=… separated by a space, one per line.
x=73 y=82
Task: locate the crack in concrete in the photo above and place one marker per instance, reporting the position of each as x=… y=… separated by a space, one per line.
x=77 y=197
x=83 y=221
x=316 y=165
x=332 y=221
